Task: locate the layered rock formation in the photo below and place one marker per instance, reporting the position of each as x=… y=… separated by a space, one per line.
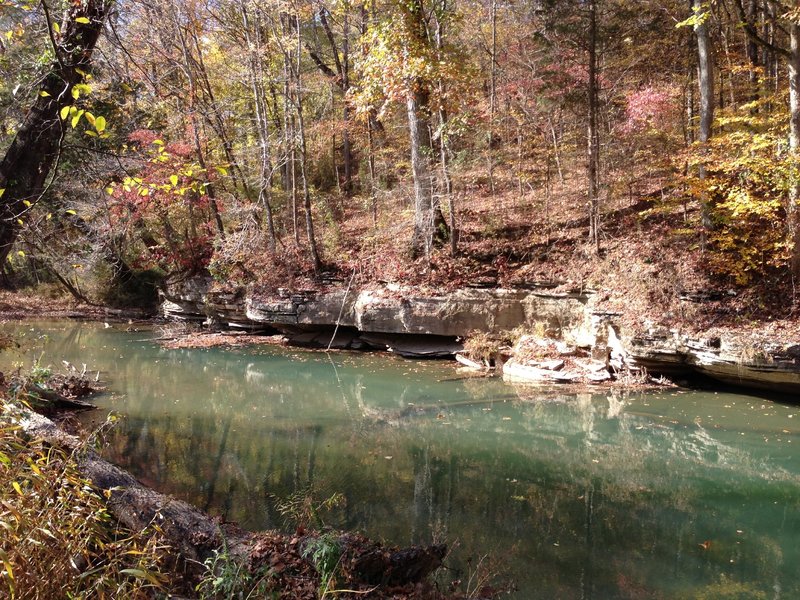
x=413 y=324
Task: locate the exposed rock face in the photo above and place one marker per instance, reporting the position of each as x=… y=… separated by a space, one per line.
x=386 y=310
x=767 y=367
x=412 y=324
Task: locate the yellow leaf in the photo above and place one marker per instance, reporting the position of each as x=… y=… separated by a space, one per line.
x=82 y=20
x=100 y=124
x=90 y=117
x=44 y=94
x=64 y=112
x=20 y=253
x=2 y=191
x=173 y=179
x=27 y=203
x=20 y=221
x=109 y=190
x=56 y=27
x=9 y=570
x=17 y=488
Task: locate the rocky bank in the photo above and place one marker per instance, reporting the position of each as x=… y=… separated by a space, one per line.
x=390 y=317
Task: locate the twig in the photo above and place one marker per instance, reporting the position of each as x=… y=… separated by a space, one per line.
x=341 y=310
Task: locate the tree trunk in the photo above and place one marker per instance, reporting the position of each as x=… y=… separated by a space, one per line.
x=312 y=241
x=706 y=88
x=419 y=135
x=752 y=55
x=792 y=216
x=592 y=135
x=35 y=150
x=492 y=95
x=420 y=139
x=261 y=120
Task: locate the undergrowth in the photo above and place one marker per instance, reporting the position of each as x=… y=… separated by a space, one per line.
x=59 y=540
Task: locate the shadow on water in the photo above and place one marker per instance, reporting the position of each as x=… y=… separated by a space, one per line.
x=678 y=494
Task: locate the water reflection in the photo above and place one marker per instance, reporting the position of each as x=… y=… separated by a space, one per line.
x=591 y=496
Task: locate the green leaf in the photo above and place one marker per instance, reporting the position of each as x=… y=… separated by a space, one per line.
x=100 y=124
x=82 y=20
x=90 y=133
x=77 y=118
x=135 y=573
x=64 y=112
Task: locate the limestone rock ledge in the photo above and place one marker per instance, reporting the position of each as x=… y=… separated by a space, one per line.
x=768 y=366
x=402 y=320
x=388 y=309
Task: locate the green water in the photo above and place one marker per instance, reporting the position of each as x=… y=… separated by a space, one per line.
x=646 y=495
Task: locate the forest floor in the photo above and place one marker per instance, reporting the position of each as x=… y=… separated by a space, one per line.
x=651 y=268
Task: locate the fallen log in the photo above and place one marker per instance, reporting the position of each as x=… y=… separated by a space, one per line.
x=194 y=536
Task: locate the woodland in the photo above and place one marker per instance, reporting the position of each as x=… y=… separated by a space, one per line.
x=646 y=148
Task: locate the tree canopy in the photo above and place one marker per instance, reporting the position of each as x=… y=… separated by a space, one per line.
x=429 y=141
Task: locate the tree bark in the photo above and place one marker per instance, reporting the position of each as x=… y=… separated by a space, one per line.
x=420 y=139
x=792 y=216
x=35 y=149
x=592 y=135
x=705 y=78
x=419 y=136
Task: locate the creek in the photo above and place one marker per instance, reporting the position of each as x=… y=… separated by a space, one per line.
x=669 y=494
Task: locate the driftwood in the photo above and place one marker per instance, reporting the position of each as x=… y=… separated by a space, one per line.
x=194 y=535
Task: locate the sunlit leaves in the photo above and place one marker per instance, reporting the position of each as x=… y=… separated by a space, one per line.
x=747 y=184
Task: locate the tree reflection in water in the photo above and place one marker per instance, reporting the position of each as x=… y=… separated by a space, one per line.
x=595 y=496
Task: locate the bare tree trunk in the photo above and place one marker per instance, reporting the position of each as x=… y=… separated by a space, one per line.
x=192 y=109
x=705 y=68
x=419 y=135
x=492 y=95
x=752 y=55
x=347 y=151
x=792 y=216
x=373 y=188
x=312 y=241
x=447 y=183
x=593 y=138
x=262 y=123
x=421 y=148
x=35 y=150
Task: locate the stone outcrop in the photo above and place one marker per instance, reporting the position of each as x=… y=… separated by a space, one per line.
x=413 y=324
x=730 y=360
x=384 y=310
